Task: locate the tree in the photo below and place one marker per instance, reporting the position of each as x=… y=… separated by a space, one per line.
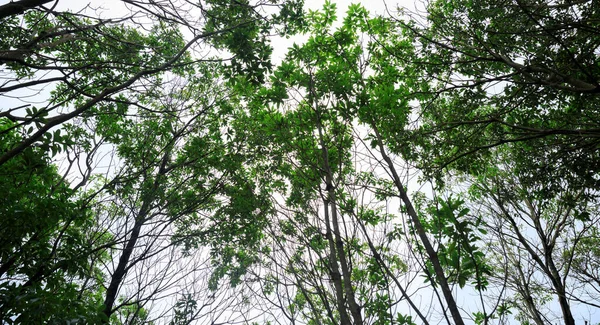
x=327 y=85
x=499 y=73
x=508 y=89
x=49 y=268
x=108 y=80
x=312 y=113
x=539 y=241
x=310 y=242
x=96 y=63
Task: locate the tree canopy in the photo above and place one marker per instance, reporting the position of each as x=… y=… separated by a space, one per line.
x=425 y=167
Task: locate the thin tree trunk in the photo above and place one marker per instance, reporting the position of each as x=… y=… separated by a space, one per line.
x=141 y=218
x=335 y=271
x=339 y=244
x=431 y=253
x=121 y=270
x=560 y=290
x=344 y=290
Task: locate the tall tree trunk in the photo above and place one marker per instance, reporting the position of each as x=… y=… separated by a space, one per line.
x=141 y=218
x=336 y=244
x=346 y=274
x=560 y=288
x=412 y=213
x=336 y=276
x=547 y=264
x=337 y=236
x=122 y=267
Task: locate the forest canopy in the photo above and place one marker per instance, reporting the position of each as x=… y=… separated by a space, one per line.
x=429 y=166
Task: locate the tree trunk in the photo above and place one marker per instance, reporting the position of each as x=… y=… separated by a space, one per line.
x=431 y=253
x=121 y=270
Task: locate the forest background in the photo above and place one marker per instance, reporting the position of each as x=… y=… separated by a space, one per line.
x=424 y=165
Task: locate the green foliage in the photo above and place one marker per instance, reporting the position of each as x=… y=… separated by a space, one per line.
x=458 y=236
x=405 y=320
x=98 y=60
x=521 y=78
x=241 y=29
x=45 y=235
x=131 y=313
x=185 y=308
